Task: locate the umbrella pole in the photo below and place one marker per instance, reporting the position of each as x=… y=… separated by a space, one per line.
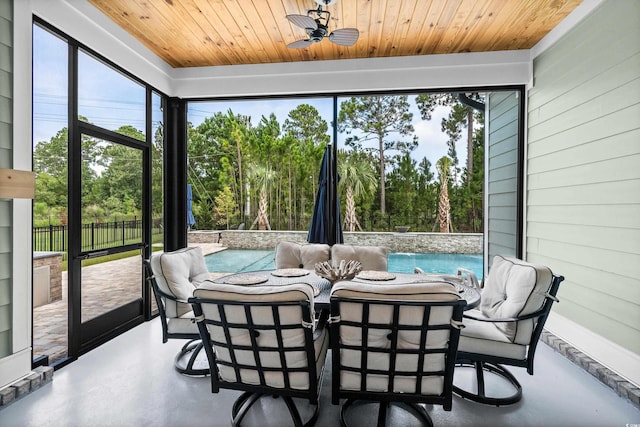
x=334 y=220
x=329 y=203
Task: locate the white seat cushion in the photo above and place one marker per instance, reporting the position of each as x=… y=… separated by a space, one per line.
x=178 y=273
x=182 y=325
x=371 y=257
x=184 y=270
x=377 y=337
x=269 y=356
x=295 y=255
x=486 y=338
x=514 y=288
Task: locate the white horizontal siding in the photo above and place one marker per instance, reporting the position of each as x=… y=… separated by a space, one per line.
x=583 y=171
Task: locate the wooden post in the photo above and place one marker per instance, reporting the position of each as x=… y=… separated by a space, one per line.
x=17 y=184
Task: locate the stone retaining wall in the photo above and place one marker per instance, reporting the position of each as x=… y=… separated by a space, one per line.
x=455 y=243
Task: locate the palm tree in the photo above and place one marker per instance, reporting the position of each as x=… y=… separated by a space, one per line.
x=358 y=177
x=444 y=208
x=262 y=177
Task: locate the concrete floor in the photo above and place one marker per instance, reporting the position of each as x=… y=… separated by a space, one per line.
x=130 y=381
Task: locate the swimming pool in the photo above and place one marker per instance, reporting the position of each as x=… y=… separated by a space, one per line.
x=241 y=260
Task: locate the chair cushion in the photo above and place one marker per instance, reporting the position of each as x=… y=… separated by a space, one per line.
x=514 y=288
x=184 y=270
x=293 y=338
x=416 y=291
x=177 y=273
x=486 y=338
x=377 y=337
x=371 y=257
x=222 y=291
x=283 y=293
x=182 y=325
x=295 y=255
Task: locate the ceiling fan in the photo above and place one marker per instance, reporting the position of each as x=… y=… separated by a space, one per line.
x=315 y=23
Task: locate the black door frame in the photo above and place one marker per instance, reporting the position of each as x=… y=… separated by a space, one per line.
x=82 y=338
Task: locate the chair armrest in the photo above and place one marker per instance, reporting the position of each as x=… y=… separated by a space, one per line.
x=539 y=313
x=164 y=294
x=533 y=315
x=321 y=323
x=472 y=277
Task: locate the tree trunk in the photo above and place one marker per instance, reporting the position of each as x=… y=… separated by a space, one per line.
x=382 y=192
x=350 y=214
x=240 y=180
x=263 y=219
x=444 y=208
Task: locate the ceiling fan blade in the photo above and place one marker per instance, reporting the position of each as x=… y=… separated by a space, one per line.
x=344 y=36
x=303 y=21
x=300 y=44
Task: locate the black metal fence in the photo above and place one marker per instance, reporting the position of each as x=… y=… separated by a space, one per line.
x=96 y=235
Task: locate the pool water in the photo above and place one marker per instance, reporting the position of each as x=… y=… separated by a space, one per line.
x=241 y=260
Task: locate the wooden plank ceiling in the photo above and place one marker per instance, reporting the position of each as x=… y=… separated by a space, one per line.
x=191 y=33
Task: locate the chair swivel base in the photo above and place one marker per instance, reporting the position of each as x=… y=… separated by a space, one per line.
x=481 y=396
x=186 y=360
x=243 y=403
x=417 y=410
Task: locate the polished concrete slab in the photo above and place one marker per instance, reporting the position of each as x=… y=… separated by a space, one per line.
x=130 y=381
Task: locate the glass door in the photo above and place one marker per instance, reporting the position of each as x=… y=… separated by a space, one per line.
x=98 y=146
x=109 y=199
x=111 y=277
x=106 y=269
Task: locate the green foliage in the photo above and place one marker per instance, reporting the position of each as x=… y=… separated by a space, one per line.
x=403 y=189
x=238 y=164
x=378 y=119
x=225 y=209
x=111 y=181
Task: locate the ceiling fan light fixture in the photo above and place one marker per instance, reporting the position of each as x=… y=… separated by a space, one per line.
x=317 y=29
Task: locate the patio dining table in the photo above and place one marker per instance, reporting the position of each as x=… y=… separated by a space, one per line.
x=468 y=291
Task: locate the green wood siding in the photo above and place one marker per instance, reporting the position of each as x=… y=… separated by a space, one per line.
x=502 y=173
x=6 y=155
x=583 y=180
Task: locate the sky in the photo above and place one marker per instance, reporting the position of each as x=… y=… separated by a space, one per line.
x=110 y=100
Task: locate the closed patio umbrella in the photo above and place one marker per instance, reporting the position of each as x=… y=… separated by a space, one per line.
x=191 y=220
x=326 y=226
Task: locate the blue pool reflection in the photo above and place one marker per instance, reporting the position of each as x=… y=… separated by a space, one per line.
x=241 y=260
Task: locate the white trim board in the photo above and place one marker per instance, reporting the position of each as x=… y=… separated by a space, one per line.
x=347 y=75
x=15 y=367
x=620 y=360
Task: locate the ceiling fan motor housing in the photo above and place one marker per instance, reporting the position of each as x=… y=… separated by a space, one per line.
x=316 y=25
x=318 y=34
